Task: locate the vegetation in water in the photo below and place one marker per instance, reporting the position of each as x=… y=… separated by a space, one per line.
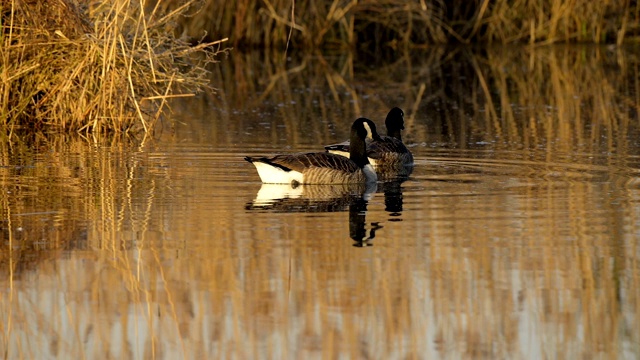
x=453 y=97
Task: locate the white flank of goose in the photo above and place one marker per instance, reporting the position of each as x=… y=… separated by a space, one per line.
x=322 y=167
x=386 y=151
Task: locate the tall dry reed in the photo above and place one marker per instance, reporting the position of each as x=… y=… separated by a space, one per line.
x=551 y=21
x=373 y=24
x=100 y=67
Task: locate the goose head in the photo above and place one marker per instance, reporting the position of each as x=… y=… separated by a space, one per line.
x=395 y=122
x=362 y=130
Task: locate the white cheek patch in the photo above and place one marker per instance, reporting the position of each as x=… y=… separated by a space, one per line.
x=369 y=132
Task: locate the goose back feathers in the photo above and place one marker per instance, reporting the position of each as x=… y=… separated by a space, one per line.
x=322 y=167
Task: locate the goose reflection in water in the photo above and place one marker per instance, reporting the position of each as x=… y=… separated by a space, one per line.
x=358 y=224
x=310 y=198
x=322 y=198
x=393 y=199
x=354 y=198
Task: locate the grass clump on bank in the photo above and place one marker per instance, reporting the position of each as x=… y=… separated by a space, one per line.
x=373 y=24
x=99 y=67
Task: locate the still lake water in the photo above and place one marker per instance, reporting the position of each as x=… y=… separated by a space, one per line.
x=515 y=236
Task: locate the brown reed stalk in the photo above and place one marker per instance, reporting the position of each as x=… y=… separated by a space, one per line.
x=108 y=68
x=375 y=23
x=551 y=21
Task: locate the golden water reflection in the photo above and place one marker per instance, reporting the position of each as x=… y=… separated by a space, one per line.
x=171 y=265
x=516 y=235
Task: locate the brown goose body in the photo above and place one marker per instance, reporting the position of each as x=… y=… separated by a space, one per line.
x=309 y=168
x=389 y=151
x=322 y=168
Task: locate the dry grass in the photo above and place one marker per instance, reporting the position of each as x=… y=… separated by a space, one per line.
x=281 y=23
x=548 y=21
x=102 y=67
x=374 y=23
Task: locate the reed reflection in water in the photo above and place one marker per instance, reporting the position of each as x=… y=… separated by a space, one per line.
x=515 y=236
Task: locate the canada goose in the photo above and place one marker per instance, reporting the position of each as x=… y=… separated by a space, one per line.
x=388 y=151
x=322 y=167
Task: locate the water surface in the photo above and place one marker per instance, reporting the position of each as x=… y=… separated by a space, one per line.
x=515 y=236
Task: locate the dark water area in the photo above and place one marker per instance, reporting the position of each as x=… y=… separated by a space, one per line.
x=515 y=235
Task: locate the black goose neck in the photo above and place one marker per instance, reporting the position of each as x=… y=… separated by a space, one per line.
x=358 y=151
x=394 y=123
x=394 y=133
